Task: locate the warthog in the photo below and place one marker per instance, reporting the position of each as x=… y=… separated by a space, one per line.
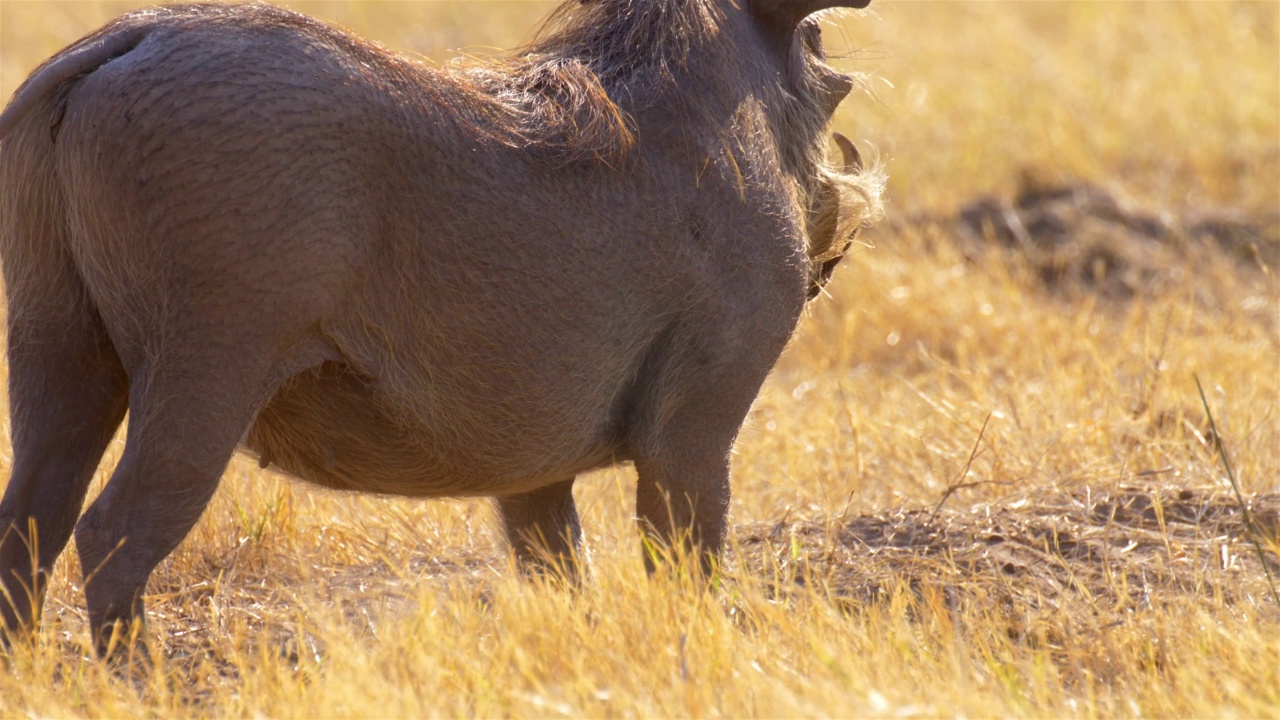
x=252 y=230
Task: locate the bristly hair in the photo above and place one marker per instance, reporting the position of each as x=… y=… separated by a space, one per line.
x=573 y=89
x=634 y=45
x=571 y=95
x=552 y=106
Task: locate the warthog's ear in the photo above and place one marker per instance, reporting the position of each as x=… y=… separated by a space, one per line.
x=785 y=15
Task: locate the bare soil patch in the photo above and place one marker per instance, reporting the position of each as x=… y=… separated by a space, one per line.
x=1104 y=552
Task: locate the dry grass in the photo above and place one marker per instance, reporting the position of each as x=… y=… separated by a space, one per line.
x=980 y=482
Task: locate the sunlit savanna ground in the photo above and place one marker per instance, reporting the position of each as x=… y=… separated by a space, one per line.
x=1089 y=559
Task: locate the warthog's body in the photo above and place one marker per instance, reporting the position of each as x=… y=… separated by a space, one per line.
x=250 y=229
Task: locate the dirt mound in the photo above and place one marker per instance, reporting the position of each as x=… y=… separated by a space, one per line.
x=1077 y=234
x=1105 y=552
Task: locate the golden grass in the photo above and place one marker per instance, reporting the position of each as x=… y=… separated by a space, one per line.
x=1088 y=559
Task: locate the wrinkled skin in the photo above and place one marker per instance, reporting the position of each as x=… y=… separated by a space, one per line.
x=252 y=231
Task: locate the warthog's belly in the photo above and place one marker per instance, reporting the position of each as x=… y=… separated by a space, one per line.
x=330 y=427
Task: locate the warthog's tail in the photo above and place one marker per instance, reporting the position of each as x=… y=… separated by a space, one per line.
x=81 y=59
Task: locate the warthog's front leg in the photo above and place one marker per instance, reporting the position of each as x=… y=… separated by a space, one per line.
x=682 y=493
x=698 y=388
x=543 y=529
x=683 y=509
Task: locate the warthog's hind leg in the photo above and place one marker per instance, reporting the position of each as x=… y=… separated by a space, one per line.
x=186 y=417
x=67 y=396
x=543 y=529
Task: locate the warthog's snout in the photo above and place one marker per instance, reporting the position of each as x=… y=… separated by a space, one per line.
x=254 y=231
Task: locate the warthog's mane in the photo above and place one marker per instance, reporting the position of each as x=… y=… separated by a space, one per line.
x=573 y=93
x=574 y=89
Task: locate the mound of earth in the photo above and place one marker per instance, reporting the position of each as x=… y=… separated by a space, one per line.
x=1080 y=235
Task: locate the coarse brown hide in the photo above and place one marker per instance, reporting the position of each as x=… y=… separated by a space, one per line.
x=252 y=230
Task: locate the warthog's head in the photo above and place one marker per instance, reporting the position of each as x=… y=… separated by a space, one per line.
x=840 y=199
x=847 y=199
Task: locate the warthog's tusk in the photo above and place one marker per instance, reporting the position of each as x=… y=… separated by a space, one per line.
x=852 y=158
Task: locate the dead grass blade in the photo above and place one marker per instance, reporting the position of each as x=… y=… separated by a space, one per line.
x=1250 y=528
